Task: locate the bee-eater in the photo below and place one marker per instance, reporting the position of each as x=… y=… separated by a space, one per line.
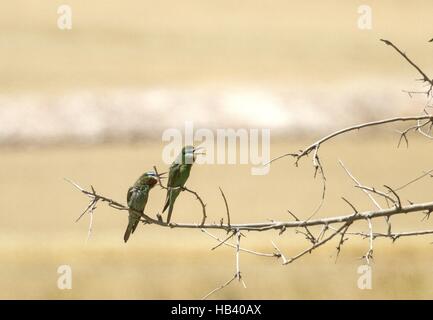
x=178 y=174
x=137 y=199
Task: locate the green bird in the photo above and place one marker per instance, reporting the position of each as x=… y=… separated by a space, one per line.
x=137 y=199
x=178 y=175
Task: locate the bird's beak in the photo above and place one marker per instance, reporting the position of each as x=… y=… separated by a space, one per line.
x=161 y=175
x=198 y=149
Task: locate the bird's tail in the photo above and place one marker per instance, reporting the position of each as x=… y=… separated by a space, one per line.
x=169 y=202
x=133 y=221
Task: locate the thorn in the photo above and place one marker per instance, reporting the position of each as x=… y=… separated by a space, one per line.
x=282 y=230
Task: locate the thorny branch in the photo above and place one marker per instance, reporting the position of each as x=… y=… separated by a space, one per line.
x=227 y=206
x=315 y=146
x=424 y=78
x=332 y=226
x=270 y=225
x=237 y=275
x=271 y=255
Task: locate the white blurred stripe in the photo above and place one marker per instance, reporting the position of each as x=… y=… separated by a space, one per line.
x=91 y=117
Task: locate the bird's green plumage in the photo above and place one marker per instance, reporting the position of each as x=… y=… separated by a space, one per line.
x=178 y=175
x=137 y=199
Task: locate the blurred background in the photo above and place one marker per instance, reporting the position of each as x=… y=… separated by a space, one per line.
x=91 y=103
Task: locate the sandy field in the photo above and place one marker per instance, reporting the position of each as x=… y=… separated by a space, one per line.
x=38 y=232
x=89 y=104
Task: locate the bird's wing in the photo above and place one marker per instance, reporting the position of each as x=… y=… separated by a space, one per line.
x=173 y=178
x=173 y=175
x=129 y=195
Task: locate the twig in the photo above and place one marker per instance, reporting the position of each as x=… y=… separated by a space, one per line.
x=159 y=178
x=224 y=241
x=203 y=205
x=344 y=230
x=359 y=184
x=378 y=192
x=425 y=78
x=280 y=253
x=89 y=232
x=219 y=288
x=227 y=206
x=369 y=254
x=416 y=128
x=308 y=235
x=323 y=241
x=393 y=236
x=271 y=255
x=323 y=231
x=238 y=268
x=414 y=180
x=397 y=201
x=237 y=275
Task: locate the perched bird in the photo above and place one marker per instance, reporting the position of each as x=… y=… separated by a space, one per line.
x=177 y=176
x=137 y=199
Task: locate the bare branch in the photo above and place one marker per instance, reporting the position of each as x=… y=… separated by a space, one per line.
x=344 y=230
x=369 y=255
x=323 y=241
x=89 y=232
x=237 y=275
x=203 y=205
x=271 y=255
x=425 y=78
x=308 y=235
x=219 y=288
x=276 y=225
x=359 y=185
x=378 y=192
x=224 y=241
x=425 y=174
x=227 y=206
x=321 y=141
x=279 y=253
x=331 y=226
x=397 y=202
x=95 y=197
x=350 y=204
x=416 y=128
x=393 y=236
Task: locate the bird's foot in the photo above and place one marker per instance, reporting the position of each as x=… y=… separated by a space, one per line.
x=159 y=217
